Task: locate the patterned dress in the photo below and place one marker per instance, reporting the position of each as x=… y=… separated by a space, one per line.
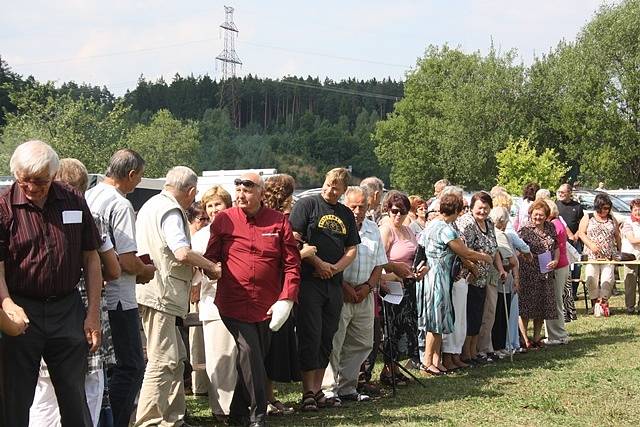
x=433 y=293
x=537 y=297
x=602 y=234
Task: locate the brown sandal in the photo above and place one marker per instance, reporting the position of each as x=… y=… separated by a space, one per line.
x=309 y=403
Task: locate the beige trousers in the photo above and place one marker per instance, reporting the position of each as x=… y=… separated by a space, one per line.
x=602 y=274
x=488 y=318
x=352 y=343
x=199 y=379
x=630 y=286
x=162 y=401
x=220 y=354
x=453 y=342
x=555 y=329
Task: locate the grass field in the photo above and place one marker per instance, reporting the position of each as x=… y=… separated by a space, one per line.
x=594 y=380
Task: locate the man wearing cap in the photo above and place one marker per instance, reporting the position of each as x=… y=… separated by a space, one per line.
x=257 y=289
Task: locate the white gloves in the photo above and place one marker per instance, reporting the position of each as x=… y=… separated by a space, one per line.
x=279 y=313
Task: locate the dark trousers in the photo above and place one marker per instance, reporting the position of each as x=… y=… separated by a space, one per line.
x=575 y=271
x=56 y=334
x=499 y=331
x=125 y=378
x=252 y=341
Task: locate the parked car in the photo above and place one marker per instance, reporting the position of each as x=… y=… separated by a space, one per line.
x=625 y=195
x=619 y=209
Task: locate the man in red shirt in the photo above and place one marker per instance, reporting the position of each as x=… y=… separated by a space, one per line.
x=257 y=289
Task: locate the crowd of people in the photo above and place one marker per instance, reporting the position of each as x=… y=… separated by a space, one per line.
x=309 y=292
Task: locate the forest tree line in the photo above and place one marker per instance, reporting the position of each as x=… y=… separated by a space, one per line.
x=577 y=105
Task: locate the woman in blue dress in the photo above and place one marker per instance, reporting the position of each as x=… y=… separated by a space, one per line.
x=440 y=246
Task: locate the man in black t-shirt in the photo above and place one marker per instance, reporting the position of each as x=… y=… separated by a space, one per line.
x=571 y=212
x=330 y=226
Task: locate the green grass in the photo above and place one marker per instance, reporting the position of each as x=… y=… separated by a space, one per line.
x=594 y=380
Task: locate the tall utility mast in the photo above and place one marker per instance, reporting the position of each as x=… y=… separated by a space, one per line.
x=228 y=56
x=229 y=59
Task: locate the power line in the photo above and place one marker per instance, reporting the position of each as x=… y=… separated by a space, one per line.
x=341 y=90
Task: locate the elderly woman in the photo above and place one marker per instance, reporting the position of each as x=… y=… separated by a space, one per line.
x=499 y=339
x=219 y=346
x=631 y=244
x=281 y=361
x=441 y=243
x=537 y=296
x=400 y=245
x=479 y=234
x=528 y=196
x=419 y=209
x=601 y=237
x=502 y=199
x=555 y=329
x=196 y=382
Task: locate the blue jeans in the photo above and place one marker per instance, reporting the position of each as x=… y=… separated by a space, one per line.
x=125 y=378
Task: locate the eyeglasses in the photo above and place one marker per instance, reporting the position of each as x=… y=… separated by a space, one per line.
x=245 y=182
x=396 y=211
x=203 y=218
x=35 y=182
x=605 y=208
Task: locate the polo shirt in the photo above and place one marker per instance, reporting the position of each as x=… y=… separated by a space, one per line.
x=370 y=255
x=260 y=262
x=42 y=248
x=571 y=213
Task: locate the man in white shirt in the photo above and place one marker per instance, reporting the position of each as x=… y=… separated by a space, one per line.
x=353 y=341
x=108 y=201
x=631 y=244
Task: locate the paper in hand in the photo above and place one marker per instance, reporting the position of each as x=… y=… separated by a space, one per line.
x=395 y=293
x=544 y=259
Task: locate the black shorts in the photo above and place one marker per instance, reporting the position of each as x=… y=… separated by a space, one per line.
x=475 y=308
x=317 y=319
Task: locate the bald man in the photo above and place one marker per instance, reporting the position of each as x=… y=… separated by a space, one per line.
x=257 y=289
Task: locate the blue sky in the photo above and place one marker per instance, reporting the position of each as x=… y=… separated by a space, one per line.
x=113 y=42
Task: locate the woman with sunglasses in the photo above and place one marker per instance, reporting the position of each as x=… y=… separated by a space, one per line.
x=402 y=319
x=601 y=237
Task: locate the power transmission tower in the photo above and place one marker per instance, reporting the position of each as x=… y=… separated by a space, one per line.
x=229 y=59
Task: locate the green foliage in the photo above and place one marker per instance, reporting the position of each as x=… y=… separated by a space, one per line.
x=519 y=164
x=164 y=143
x=457 y=112
x=79 y=128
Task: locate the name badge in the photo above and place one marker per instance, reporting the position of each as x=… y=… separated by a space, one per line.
x=269 y=234
x=71 y=217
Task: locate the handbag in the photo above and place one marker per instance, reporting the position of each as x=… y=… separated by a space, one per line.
x=623 y=256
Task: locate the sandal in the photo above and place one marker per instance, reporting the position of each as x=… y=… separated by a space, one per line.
x=386 y=379
x=327 y=402
x=278 y=408
x=309 y=403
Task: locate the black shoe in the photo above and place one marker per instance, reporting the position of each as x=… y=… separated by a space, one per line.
x=235 y=420
x=261 y=423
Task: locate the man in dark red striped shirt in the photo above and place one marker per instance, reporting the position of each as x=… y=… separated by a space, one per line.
x=47 y=239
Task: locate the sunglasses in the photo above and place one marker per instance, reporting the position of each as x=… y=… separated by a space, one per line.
x=245 y=182
x=396 y=211
x=203 y=218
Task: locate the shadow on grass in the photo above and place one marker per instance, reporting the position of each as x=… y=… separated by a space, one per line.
x=411 y=404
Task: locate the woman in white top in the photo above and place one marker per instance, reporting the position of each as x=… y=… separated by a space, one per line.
x=219 y=346
x=631 y=244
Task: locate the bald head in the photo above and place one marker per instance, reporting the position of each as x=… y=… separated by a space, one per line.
x=565 y=193
x=249 y=193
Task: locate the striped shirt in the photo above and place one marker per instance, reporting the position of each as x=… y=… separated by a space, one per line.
x=370 y=255
x=42 y=248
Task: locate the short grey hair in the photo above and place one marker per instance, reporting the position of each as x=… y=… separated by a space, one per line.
x=543 y=194
x=372 y=184
x=499 y=215
x=355 y=190
x=122 y=162
x=181 y=178
x=452 y=189
x=34 y=157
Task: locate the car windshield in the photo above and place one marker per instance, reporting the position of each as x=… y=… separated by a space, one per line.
x=586 y=200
